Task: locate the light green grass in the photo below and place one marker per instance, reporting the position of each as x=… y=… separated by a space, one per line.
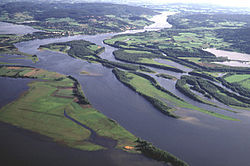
x=41 y=109
x=245 y=83
x=144 y=86
x=237 y=78
x=151 y=61
x=102 y=125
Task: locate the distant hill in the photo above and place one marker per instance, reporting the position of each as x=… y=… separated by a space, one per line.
x=83 y=18
x=42 y=11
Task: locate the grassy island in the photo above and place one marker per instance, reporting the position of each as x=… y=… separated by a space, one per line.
x=55 y=106
x=41 y=109
x=158 y=96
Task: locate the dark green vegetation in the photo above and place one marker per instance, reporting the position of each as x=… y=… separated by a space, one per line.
x=149 y=150
x=89 y=51
x=233 y=30
x=77 y=18
x=209 y=89
x=7 y=46
x=76 y=48
x=184 y=43
x=156 y=95
x=239 y=83
x=143 y=58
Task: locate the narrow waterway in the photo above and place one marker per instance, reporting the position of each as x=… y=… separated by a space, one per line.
x=200 y=139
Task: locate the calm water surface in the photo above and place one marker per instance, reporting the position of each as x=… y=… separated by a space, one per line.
x=237 y=59
x=7 y=28
x=199 y=139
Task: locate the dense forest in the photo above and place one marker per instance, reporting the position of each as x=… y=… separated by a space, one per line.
x=84 y=18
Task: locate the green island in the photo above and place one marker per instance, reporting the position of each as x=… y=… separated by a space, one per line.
x=57 y=100
x=88 y=51
x=143 y=58
x=185 y=43
x=166 y=76
x=155 y=94
x=77 y=48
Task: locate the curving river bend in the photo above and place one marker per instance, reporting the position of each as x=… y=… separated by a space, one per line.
x=201 y=140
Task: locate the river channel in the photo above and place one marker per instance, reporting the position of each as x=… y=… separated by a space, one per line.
x=200 y=140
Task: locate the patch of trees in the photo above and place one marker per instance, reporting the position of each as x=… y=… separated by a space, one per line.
x=78 y=93
x=125 y=66
x=235 y=87
x=184 y=52
x=240 y=38
x=77 y=48
x=208 y=89
x=182 y=86
x=80 y=49
x=135 y=58
x=157 y=154
x=222 y=94
x=203 y=75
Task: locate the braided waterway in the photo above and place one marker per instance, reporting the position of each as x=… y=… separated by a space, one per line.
x=199 y=139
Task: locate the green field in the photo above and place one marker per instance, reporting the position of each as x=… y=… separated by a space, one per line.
x=146 y=88
x=240 y=79
x=41 y=109
x=237 y=78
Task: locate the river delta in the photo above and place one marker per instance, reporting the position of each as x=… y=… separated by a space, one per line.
x=197 y=138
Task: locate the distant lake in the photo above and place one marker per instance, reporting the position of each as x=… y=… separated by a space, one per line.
x=8 y=28
x=235 y=57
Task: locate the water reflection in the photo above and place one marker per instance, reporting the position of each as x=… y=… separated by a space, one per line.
x=8 y=28
x=194 y=142
x=237 y=59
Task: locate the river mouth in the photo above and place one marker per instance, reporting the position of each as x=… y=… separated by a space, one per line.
x=206 y=141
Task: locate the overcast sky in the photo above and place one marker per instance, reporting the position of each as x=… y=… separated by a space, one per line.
x=236 y=3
